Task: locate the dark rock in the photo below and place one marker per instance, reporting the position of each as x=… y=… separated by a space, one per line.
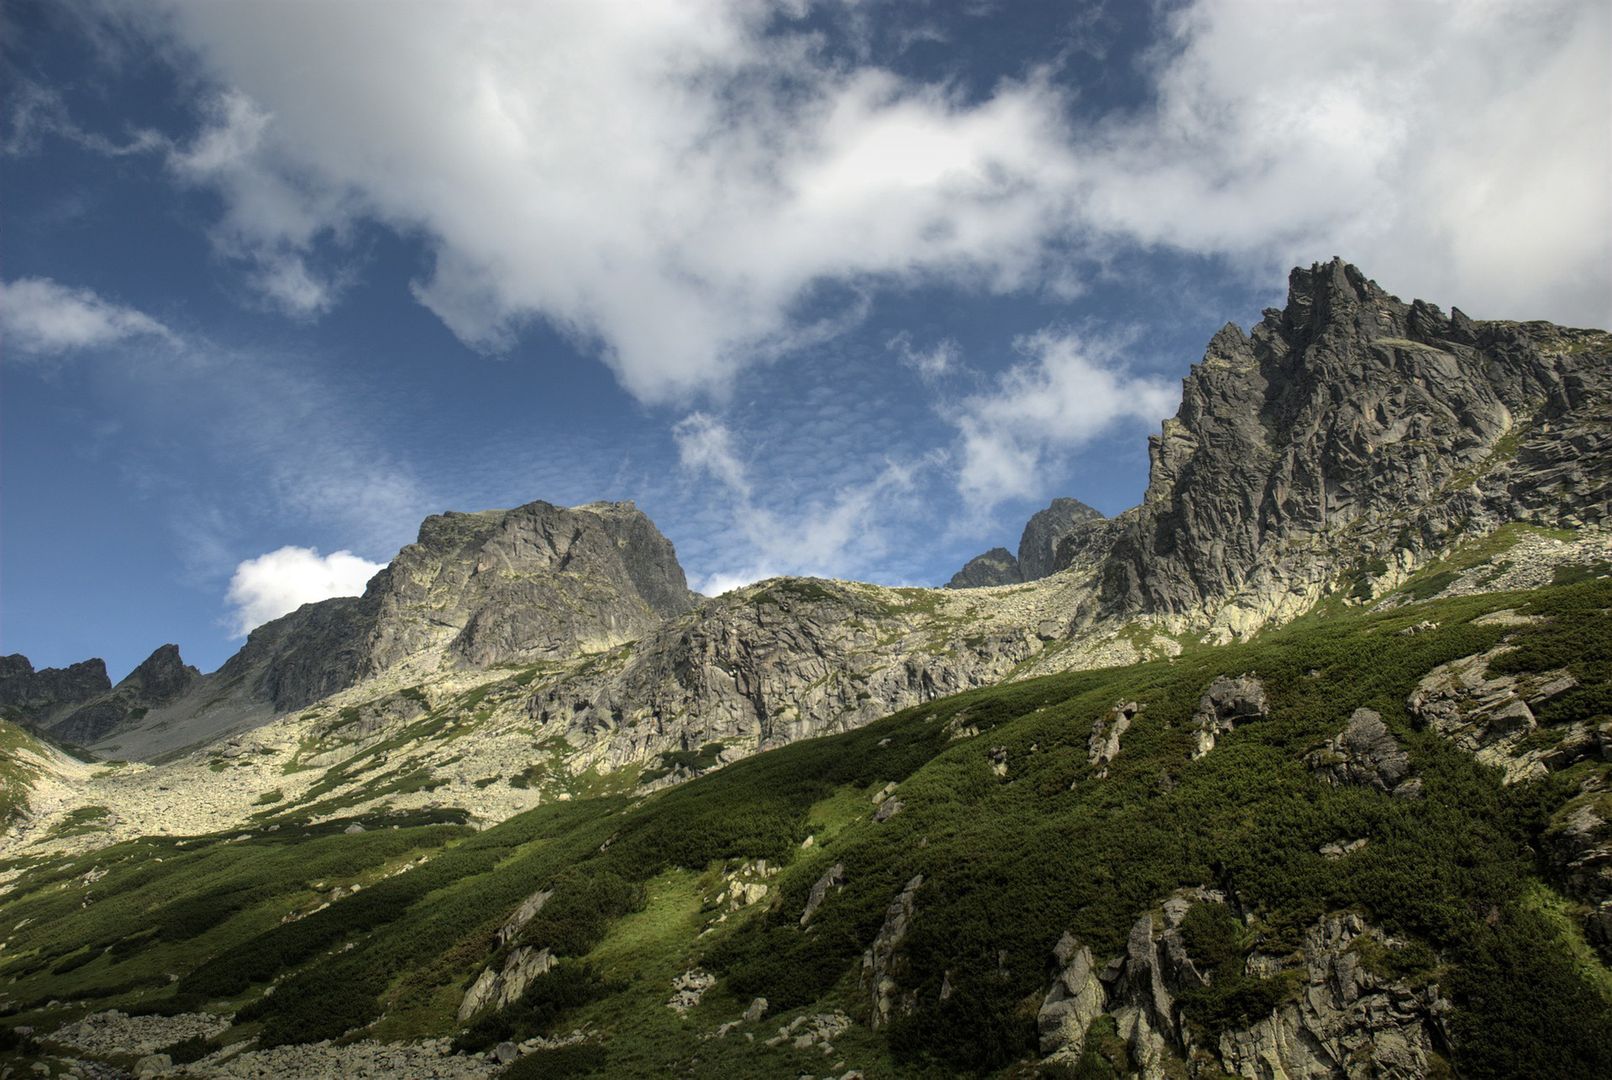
x=1226 y=703
x=1038 y=544
x=161 y=679
x=38 y=698
x=995 y=567
x=1364 y=753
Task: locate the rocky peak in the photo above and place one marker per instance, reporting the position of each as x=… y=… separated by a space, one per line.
x=996 y=567
x=1351 y=428
x=1038 y=544
x=1053 y=539
x=42 y=696
x=161 y=677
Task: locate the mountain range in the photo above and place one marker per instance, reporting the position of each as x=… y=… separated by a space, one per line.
x=1280 y=773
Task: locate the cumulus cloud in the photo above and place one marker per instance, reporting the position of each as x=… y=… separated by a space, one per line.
x=40 y=318
x=667 y=181
x=283 y=580
x=1066 y=391
x=1457 y=151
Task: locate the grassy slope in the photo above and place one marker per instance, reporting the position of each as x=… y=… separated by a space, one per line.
x=1011 y=862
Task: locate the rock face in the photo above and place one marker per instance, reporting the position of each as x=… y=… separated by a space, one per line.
x=160 y=680
x=539 y=582
x=1351 y=427
x=834 y=878
x=1346 y=1022
x=1367 y=754
x=995 y=567
x=41 y=697
x=758 y=667
x=1053 y=539
x=883 y=964
x=1492 y=716
x=496 y=988
x=1103 y=746
x=1046 y=530
x=1226 y=703
x=1075 y=1000
x=1343 y=1020
x=1579 y=850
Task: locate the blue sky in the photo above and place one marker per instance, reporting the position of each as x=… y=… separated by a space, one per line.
x=840 y=288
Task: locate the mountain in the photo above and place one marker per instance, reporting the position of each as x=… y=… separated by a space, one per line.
x=474 y=591
x=1298 y=768
x=161 y=679
x=1065 y=521
x=40 y=697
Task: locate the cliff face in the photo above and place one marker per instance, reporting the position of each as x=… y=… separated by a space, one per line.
x=1349 y=428
x=159 y=680
x=538 y=582
x=41 y=697
x=1052 y=539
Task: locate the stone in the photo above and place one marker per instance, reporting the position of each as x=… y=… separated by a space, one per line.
x=1364 y=753
x=882 y=963
x=756 y=1010
x=153 y=1065
x=504 y=1053
x=687 y=990
x=995 y=567
x=833 y=878
x=1103 y=746
x=523 y=914
x=1075 y=1000
x=1489 y=716
x=1226 y=702
x=887 y=810
x=503 y=986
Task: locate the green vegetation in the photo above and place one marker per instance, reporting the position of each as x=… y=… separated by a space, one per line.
x=1010 y=863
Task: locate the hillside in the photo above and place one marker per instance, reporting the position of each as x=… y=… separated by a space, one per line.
x=1298 y=768
x=1283 y=856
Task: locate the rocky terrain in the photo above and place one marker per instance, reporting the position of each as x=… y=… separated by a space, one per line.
x=1436 y=486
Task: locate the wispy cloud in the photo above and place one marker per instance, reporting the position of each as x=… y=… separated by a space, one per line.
x=816 y=536
x=1066 y=391
x=41 y=318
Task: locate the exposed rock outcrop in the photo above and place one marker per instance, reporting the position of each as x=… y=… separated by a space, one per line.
x=1103 y=746
x=1342 y=1019
x=1075 y=1000
x=39 y=698
x=833 y=878
x=883 y=964
x=1351 y=427
x=1492 y=716
x=1366 y=753
x=1226 y=703
x=1578 y=847
x=496 y=988
x=995 y=567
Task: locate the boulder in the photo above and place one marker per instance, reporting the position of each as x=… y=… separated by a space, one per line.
x=883 y=964
x=1367 y=754
x=1226 y=702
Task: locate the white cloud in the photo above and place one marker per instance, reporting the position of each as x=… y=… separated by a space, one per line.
x=40 y=317
x=1067 y=391
x=668 y=180
x=815 y=537
x=936 y=362
x=281 y=581
x=1457 y=151
x=665 y=180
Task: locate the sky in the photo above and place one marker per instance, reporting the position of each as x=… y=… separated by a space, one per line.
x=845 y=288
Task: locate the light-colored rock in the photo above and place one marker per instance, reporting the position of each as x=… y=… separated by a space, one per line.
x=1075 y=1000
x=833 y=878
x=883 y=964
x=1226 y=703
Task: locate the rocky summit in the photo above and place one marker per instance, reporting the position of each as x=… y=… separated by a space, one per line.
x=1299 y=768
